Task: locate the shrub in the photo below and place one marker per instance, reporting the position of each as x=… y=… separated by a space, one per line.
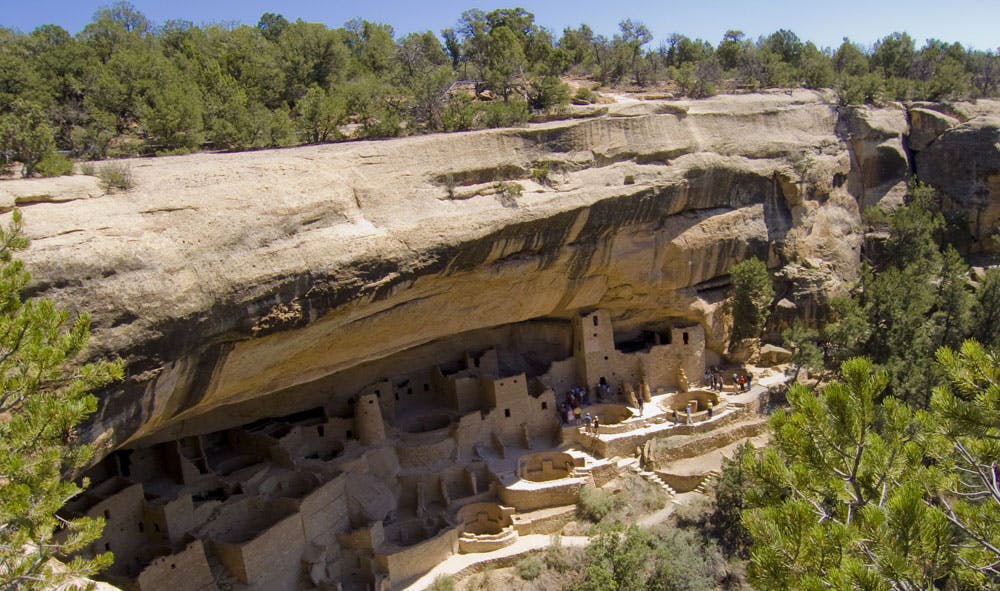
x=88 y=169
x=595 y=504
x=481 y=582
x=459 y=113
x=529 y=567
x=54 y=164
x=443 y=583
x=563 y=559
x=857 y=90
x=685 y=562
x=504 y=113
x=115 y=176
x=547 y=92
x=540 y=174
x=508 y=192
x=584 y=95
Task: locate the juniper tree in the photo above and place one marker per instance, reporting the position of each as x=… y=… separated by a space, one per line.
x=752 y=295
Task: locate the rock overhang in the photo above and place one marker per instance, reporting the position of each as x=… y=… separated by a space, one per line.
x=227 y=277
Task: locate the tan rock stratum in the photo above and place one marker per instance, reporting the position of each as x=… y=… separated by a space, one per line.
x=238 y=286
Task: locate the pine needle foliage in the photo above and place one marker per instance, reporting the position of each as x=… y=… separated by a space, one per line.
x=860 y=491
x=43 y=397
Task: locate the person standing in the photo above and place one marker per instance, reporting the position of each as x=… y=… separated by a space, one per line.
x=689 y=413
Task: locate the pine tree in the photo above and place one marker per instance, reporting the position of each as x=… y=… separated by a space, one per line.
x=858 y=493
x=967 y=407
x=987 y=310
x=43 y=396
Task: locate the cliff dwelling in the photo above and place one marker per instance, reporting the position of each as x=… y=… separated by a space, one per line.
x=371 y=488
x=347 y=362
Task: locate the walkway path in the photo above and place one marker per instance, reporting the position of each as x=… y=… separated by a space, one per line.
x=457 y=563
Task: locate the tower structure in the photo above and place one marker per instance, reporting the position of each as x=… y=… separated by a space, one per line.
x=594 y=347
x=368 y=419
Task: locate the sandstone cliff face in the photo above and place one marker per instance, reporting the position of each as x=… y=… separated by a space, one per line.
x=962 y=159
x=238 y=286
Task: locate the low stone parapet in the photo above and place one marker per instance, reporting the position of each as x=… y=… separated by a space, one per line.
x=470 y=543
x=544 y=521
x=528 y=496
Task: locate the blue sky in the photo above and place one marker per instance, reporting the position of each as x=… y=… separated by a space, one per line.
x=974 y=23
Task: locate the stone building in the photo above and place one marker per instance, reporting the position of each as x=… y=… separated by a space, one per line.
x=373 y=490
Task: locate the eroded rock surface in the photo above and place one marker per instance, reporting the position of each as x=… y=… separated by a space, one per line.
x=240 y=286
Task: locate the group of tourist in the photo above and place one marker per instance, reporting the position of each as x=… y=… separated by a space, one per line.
x=571 y=410
x=717 y=381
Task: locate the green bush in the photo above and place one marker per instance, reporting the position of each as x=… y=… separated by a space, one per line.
x=449 y=184
x=540 y=174
x=443 y=583
x=510 y=189
x=115 y=176
x=508 y=192
x=563 y=559
x=88 y=169
x=481 y=582
x=504 y=113
x=459 y=113
x=54 y=164
x=596 y=504
x=547 y=92
x=584 y=95
x=857 y=90
x=178 y=151
x=529 y=567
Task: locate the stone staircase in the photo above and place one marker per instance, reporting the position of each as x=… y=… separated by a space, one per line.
x=632 y=465
x=706 y=483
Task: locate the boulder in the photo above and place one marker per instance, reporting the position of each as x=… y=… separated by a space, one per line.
x=926 y=125
x=771 y=355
